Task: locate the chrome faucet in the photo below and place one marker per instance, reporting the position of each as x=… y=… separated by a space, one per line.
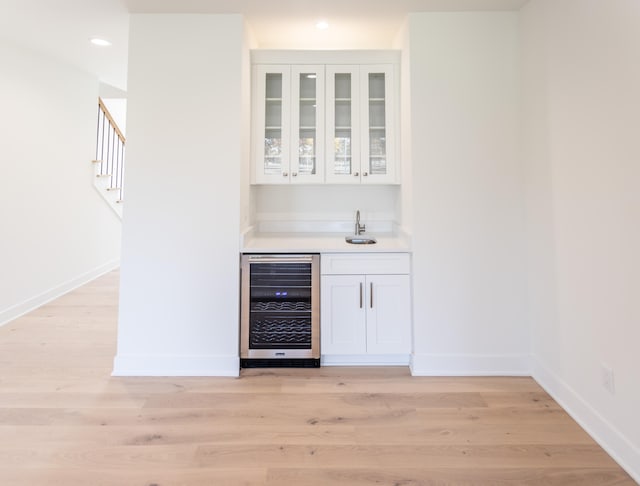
x=359 y=228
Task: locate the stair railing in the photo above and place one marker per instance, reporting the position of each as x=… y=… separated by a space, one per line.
x=110 y=152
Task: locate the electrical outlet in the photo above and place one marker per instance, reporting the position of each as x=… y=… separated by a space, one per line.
x=607 y=378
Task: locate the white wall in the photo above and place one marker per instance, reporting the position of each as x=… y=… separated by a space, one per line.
x=327 y=207
x=118 y=110
x=582 y=119
x=246 y=200
x=57 y=233
x=467 y=195
x=179 y=284
x=403 y=43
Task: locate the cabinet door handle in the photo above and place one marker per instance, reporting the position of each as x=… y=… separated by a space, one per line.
x=361 y=295
x=294 y=174
x=371 y=294
x=365 y=174
x=356 y=174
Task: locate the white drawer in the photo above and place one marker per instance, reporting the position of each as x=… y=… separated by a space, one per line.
x=364 y=263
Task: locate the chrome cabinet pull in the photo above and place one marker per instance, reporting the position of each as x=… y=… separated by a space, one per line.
x=356 y=174
x=371 y=294
x=365 y=174
x=294 y=174
x=285 y=174
x=361 y=295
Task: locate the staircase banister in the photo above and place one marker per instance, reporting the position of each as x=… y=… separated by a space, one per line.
x=103 y=107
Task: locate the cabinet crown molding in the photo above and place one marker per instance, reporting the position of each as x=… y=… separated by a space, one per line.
x=294 y=56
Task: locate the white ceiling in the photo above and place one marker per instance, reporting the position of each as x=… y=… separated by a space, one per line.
x=62 y=28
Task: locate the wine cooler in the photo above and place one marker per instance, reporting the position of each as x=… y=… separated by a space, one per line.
x=280 y=311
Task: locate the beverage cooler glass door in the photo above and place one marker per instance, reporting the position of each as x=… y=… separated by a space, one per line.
x=280 y=309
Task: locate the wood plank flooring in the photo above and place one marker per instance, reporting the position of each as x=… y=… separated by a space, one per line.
x=64 y=421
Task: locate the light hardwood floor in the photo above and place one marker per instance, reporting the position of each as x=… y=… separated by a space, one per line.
x=65 y=421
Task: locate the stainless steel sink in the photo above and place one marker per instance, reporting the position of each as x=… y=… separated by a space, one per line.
x=360 y=240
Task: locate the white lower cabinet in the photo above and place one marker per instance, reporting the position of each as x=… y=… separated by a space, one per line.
x=365 y=307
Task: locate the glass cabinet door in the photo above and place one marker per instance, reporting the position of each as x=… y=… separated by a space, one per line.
x=307 y=123
x=272 y=123
x=377 y=118
x=343 y=138
x=317 y=123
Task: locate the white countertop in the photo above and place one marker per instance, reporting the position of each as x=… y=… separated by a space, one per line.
x=320 y=243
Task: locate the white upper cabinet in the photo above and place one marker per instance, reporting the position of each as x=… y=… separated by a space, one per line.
x=288 y=127
x=323 y=123
x=272 y=123
x=377 y=158
x=360 y=124
x=343 y=124
x=307 y=123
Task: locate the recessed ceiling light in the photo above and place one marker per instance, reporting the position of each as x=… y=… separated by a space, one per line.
x=322 y=25
x=97 y=41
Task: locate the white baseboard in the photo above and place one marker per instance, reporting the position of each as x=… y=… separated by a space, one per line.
x=365 y=360
x=470 y=365
x=154 y=365
x=612 y=440
x=33 y=303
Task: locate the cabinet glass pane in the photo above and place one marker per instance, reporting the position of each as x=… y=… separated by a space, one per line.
x=376 y=113
x=272 y=151
x=274 y=85
x=342 y=151
x=273 y=113
x=307 y=113
x=307 y=120
x=377 y=125
x=343 y=85
x=377 y=152
x=308 y=85
x=376 y=85
x=273 y=124
x=307 y=152
x=343 y=114
x=342 y=135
